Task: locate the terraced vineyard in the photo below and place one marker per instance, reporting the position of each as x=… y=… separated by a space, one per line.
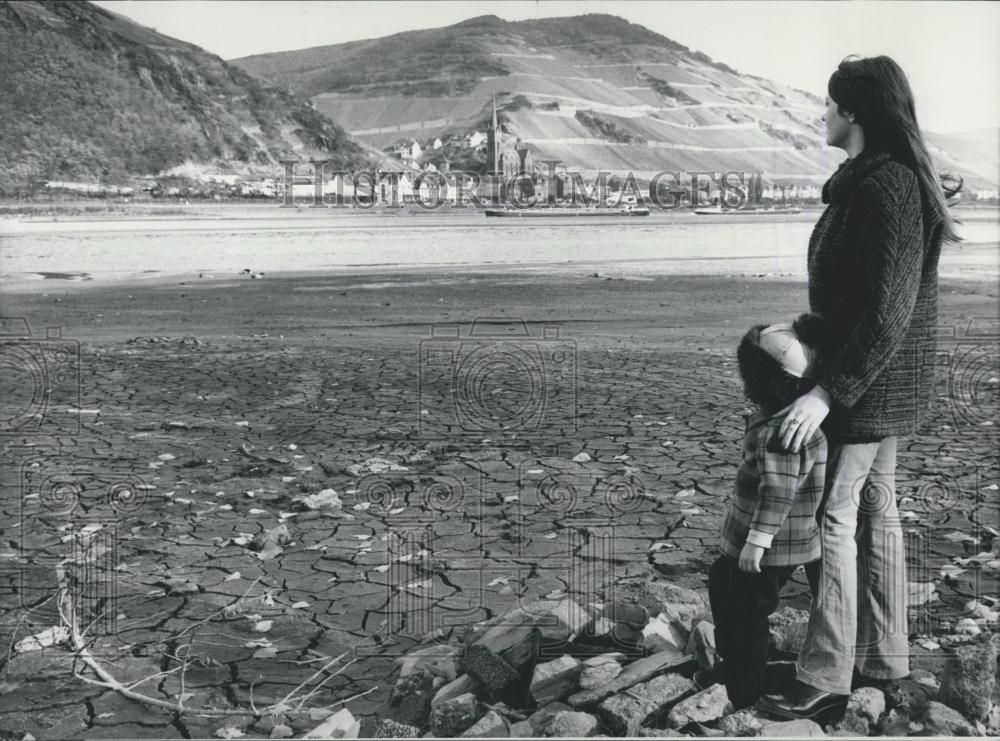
x=652 y=103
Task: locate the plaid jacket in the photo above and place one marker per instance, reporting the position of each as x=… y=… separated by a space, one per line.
x=776 y=497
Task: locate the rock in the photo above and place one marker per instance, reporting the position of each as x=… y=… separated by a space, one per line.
x=619 y=624
x=53 y=636
x=968 y=627
x=339 y=725
x=459 y=686
x=571 y=724
x=540 y=718
x=919 y=593
x=560 y=623
x=521 y=729
x=392 y=729
x=266 y=723
x=497 y=658
x=269 y=544
x=741 y=723
x=509 y=714
x=452 y=717
x=913 y=691
x=491 y=725
x=938 y=719
x=677 y=604
x=801 y=728
x=324 y=500
x=925 y=678
x=896 y=724
x=865 y=708
x=581 y=458
x=969 y=677
x=410 y=700
x=281 y=731
x=659 y=733
x=177 y=585
x=703 y=707
x=611 y=657
x=598 y=629
x=638 y=671
x=661 y=634
x=788 y=629
x=626 y=611
x=554 y=680
x=374 y=465
x=982 y=612
x=600 y=670
x=993 y=721
x=701 y=645
x=625 y=712
x=438 y=660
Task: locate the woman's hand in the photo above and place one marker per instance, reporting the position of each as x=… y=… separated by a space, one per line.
x=805 y=415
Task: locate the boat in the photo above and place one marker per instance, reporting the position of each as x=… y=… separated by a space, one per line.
x=716 y=211
x=581 y=212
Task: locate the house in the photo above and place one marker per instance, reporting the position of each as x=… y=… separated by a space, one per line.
x=395 y=188
x=263 y=188
x=477 y=139
x=437 y=143
x=407 y=149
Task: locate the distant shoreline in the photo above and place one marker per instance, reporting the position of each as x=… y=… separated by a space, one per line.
x=110 y=210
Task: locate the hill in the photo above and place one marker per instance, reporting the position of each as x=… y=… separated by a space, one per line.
x=594 y=91
x=976 y=151
x=90 y=95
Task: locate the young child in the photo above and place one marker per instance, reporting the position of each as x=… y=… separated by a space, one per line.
x=770 y=527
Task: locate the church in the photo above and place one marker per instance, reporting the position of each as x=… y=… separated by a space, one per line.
x=504 y=157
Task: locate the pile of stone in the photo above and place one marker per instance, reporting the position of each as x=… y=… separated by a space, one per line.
x=556 y=668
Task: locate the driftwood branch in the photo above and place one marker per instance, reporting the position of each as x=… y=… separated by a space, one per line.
x=67 y=614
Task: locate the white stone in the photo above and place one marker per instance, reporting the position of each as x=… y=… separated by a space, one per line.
x=661 y=633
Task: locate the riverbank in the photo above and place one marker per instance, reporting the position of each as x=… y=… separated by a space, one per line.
x=223 y=403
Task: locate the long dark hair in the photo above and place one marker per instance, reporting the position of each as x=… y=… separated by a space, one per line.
x=876 y=91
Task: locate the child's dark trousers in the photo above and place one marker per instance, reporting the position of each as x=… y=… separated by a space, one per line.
x=741 y=603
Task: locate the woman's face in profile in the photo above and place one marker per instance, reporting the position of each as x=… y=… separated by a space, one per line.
x=837 y=125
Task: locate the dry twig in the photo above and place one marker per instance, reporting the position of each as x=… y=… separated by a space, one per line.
x=105 y=679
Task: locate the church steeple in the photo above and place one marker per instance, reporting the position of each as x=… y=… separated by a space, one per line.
x=493 y=142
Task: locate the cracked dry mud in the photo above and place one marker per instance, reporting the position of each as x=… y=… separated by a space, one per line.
x=215 y=443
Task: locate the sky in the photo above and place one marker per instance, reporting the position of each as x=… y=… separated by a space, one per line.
x=949 y=50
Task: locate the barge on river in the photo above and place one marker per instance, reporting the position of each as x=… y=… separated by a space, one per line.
x=582 y=212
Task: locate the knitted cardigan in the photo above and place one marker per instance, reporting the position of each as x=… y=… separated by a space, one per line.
x=873 y=259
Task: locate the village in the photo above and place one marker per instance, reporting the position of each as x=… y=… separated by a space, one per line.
x=459 y=169
x=465 y=167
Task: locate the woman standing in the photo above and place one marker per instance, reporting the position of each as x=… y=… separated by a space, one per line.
x=873 y=277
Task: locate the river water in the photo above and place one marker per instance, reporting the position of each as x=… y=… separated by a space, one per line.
x=310 y=241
